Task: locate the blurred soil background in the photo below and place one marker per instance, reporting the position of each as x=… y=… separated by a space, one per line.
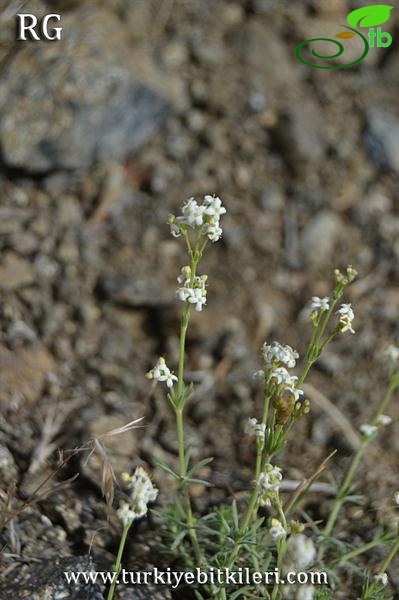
x=140 y=106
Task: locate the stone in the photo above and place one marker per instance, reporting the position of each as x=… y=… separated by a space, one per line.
x=147 y=592
x=23 y=374
x=381 y=139
x=65 y=105
x=319 y=237
x=123 y=290
x=299 y=135
x=8 y=468
x=15 y=272
x=46 y=579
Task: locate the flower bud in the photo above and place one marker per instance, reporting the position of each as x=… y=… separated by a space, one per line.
x=296 y=527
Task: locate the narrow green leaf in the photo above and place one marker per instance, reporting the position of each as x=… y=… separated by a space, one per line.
x=234 y=512
x=179 y=539
x=199 y=481
x=167 y=468
x=202 y=463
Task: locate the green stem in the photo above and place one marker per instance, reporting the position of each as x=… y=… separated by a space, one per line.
x=394 y=549
x=118 y=562
x=361 y=550
x=186 y=496
x=347 y=482
x=180 y=427
x=281 y=546
x=336 y=295
x=183 y=331
x=383 y=568
x=340 y=498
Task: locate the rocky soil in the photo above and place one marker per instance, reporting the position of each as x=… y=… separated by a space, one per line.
x=102 y=135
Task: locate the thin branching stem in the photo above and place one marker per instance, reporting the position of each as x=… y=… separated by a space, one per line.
x=118 y=562
x=351 y=471
x=179 y=420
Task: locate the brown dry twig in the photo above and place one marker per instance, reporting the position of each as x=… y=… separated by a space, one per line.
x=305 y=484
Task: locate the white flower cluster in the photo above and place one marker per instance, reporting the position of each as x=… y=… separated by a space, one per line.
x=161 y=372
x=277 y=531
x=206 y=215
x=256 y=429
x=369 y=430
x=277 y=353
x=321 y=304
x=396 y=497
x=142 y=493
x=286 y=381
x=268 y=484
x=346 y=316
x=192 y=291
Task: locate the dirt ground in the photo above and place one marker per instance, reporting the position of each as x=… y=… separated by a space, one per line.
x=307 y=164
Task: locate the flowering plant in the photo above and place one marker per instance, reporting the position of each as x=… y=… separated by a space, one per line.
x=266 y=532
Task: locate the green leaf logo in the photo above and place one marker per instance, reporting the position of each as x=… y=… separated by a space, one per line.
x=370 y=16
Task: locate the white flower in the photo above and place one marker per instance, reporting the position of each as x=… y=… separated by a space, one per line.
x=256 y=429
x=193 y=213
x=143 y=492
x=296 y=392
x=368 y=430
x=214 y=232
x=282 y=377
x=346 y=311
x=305 y=592
x=346 y=316
x=198 y=297
x=276 y=352
x=301 y=551
x=250 y=427
x=194 y=293
x=125 y=513
x=260 y=431
x=268 y=484
x=381 y=578
x=276 y=530
x=185 y=275
x=396 y=497
x=320 y=303
x=183 y=293
x=392 y=353
x=162 y=373
x=213 y=207
x=384 y=420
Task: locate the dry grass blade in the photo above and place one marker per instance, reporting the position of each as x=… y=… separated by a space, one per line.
x=108 y=478
x=13 y=513
x=289 y=485
x=304 y=486
x=123 y=429
x=53 y=422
